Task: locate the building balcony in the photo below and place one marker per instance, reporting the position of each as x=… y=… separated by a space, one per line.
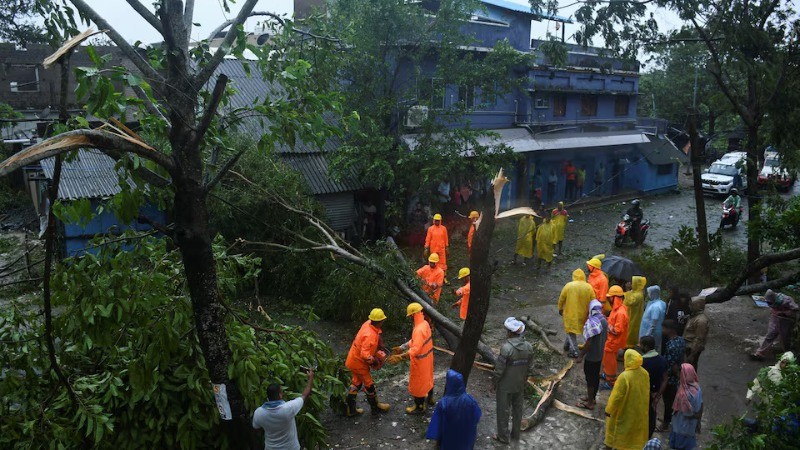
x=590 y=59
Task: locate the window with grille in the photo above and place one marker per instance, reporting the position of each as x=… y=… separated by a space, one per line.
x=589 y=105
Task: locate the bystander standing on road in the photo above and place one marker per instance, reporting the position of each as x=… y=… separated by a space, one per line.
x=276 y=417
x=675 y=355
x=595 y=332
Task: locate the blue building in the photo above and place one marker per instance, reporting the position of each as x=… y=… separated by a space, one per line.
x=582 y=112
x=93 y=176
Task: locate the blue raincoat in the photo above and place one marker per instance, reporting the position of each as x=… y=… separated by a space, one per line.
x=653 y=316
x=455 y=421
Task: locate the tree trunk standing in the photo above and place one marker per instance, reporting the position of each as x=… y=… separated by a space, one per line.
x=753 y=198
x=481 y=284
x=697 y=155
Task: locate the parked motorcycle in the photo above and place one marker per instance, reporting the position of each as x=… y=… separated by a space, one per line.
x=624 y=231
x=730 y=216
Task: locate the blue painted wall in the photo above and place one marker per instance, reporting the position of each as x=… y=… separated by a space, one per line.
x=77 y=237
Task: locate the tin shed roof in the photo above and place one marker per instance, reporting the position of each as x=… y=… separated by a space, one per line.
x=91 y=174
x=661 y=151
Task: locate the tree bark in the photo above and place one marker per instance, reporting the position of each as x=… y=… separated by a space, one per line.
x=699 y=201
x=481 y=285
x=753 y=197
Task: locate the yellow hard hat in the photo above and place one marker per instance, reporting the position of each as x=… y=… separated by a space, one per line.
x=434 y=258
x=437 y=217
x=594 y=262
x=474 y=215
x=377 y=315
x=413 y=308
x=615 y=291
x=463 y=273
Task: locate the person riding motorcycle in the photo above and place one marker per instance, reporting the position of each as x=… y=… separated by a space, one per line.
x=733 y=200
x=636 y=215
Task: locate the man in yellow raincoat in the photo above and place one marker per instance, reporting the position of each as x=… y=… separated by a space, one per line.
x=525 y=233
x=634 y=301
x=420 y=351
x=627 y=408
x=560 y=219
x=573 y=306
x=544 y=243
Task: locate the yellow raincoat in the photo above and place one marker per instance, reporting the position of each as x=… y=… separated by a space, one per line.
x=634 y=300
x=559 y=220
x=573 y=302
x=544 y=241
x=626 y=424
x=525 y=233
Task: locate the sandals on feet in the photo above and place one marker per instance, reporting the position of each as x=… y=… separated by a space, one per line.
x=585 y=405
x=500 y=440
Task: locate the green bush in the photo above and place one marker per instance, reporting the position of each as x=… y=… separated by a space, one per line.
x=777 y=417
x=126 y=341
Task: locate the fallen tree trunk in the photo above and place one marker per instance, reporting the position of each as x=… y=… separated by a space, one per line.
x=733 y=288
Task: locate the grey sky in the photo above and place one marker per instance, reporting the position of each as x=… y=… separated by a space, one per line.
x=208 y=13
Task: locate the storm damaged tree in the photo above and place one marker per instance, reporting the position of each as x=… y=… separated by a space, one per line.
x=178 y=110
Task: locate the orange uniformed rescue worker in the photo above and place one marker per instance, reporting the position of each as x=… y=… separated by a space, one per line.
x=599 y=282
x=366 y=353
x=436 y=241
x=473 y=219
x=463 y=293
x=432 y=277
x=420 y=351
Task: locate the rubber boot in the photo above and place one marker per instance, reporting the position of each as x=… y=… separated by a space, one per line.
x=418 y=407
x=351 y=406
x=430 y=400
x=376 y=406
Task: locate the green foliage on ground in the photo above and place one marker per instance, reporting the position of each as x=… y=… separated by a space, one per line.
x=777 y=415
x=126 y=341
x=667 y=267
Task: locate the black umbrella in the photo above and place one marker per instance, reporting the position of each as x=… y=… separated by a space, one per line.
x=620 y=268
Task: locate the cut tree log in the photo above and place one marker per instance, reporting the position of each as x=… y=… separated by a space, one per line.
x=478 y=365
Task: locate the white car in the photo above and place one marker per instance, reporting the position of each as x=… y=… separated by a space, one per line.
x=723 y=176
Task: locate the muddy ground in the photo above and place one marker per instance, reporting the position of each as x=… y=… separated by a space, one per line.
x=724 y=371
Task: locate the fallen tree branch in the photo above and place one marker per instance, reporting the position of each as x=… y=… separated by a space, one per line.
x=547 y=397
x=575 y=410
x=771 y=284
x=476 y=364
x=729 y=291
x=542 y=333
x=27 y=280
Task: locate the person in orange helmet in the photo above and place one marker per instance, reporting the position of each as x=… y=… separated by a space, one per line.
x=420 y=351
x=366 y=353
x=617 y=335
x=599 y=283
x=463 y=293
x=432 y=277
x=473 y=219
x=436 y=241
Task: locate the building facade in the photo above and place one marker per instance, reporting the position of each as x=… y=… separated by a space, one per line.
x=575 y=116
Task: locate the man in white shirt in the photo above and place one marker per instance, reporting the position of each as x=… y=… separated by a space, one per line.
x=276 y=417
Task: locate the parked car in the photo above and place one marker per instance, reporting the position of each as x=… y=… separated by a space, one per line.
x=772 y=172
x=725 y=174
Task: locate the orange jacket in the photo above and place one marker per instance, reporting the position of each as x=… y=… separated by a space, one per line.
x=431 y=277
x=470 y=236
x=599 y=283
x=437 y=242
x=420 y=351
x=617 y=327
x=364 y=347
x=463 y=292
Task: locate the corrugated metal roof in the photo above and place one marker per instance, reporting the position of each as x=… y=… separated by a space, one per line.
x=91 y=174
x=511 y=6
x=314 y=168
x=521 y=141
x=662 y=151
x=307 y=158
